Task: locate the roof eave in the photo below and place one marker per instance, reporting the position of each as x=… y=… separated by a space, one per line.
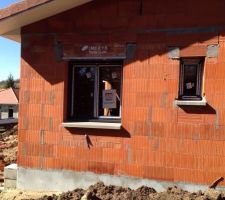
x=10 y=26
x=13 y=35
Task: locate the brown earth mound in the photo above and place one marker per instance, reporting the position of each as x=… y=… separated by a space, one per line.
x=8 y=146
x=99 y=191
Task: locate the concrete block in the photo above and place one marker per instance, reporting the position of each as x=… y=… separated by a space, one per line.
x=173 y=52
x=212 y=51
x=58 y=50
x=10 y=172
x=25 y=123
x=26 y=96
x=9 y=184
x=131 y=50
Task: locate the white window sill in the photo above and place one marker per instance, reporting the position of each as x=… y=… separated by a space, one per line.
x=202 y=102
x=94 y=125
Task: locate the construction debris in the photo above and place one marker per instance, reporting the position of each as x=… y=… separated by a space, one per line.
x=8 y=149
x=99 y=191
x=8 y=146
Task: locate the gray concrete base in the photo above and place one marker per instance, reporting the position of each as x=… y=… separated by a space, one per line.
x=64 y=180
x=10 y=176
x=9 y=184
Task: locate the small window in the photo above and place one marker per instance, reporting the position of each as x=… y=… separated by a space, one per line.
x=191 y=74
x=95 y=92
x=10 y=113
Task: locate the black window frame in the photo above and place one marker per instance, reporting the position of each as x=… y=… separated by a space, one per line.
x=198 y=62
x=70 y=84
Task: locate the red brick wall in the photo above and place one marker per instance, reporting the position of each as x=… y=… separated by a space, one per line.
x=158 y=141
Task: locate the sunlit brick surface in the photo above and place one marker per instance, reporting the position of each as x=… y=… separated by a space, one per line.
x=158 y=141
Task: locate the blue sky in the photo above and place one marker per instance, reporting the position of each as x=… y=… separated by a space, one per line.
x=9 y=52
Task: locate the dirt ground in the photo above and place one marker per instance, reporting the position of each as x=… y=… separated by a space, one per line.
x=8 y=146
x=23 y=195
x=99 y=191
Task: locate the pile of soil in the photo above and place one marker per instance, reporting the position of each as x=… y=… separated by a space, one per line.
x=8 y=146
x=99 y=191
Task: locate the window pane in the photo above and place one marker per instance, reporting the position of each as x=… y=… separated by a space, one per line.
x=109 y=91
x=84 y=85
x=10 y=113
x=190 y=80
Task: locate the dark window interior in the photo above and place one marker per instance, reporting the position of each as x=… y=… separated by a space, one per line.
x=95 y=92
x=191 y=73
x=84 y=85
x=190 y=80
x=10 y=113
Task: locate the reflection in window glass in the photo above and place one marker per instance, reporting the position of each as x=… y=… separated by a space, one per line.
x=109 y=91
x=191 y=75
x=190 y=80
x=95 y=92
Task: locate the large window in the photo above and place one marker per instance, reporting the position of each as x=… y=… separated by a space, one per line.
x=95 y=92
x=191 y=74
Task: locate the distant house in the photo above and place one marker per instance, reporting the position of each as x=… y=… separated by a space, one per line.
x=9 y=100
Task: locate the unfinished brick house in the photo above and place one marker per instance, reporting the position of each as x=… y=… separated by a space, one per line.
x=129 y=92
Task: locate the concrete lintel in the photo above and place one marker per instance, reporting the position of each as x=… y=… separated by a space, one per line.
x=93 y=125
x=202 y=102
x=54 y=180
x=212 y=51
x=174 y=52
x=68 y=58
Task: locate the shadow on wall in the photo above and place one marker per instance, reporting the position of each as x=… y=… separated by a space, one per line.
x=199 y=109
x=98 y=132
x=153 y=27
x=150 y=25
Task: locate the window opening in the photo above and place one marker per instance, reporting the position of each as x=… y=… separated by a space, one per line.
x=191 y=74
x=10 y=113
x=96 y=92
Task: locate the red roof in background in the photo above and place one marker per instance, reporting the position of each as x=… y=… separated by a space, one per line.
x=21 y=7
x=9 y=96
x=16 y=91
